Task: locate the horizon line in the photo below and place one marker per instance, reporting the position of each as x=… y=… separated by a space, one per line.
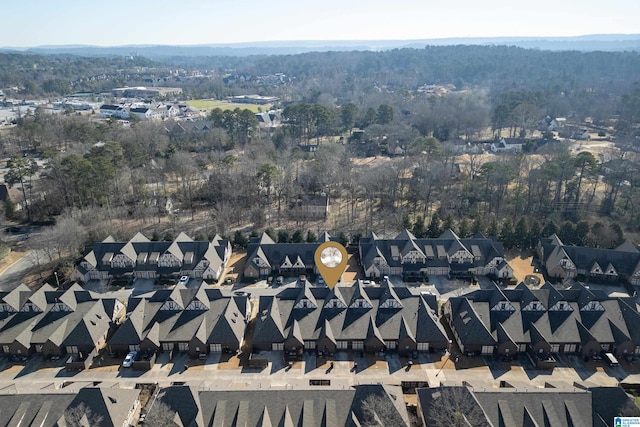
x=330 y=41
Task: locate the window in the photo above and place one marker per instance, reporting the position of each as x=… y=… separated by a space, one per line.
x=522 y=348
x=215 y=348
x=570 y=348
x=310 y=345
x=134 y=347
x=555 y=348
x=487 y=349
x=423 y=346
x=5 y=349
x=277 y=346
x=39 y=348
x=167 y=346
x=605 y=347
x=358 y=345
x=72 y=349
x=391 y=345
x=183 y=346
x=342 y=345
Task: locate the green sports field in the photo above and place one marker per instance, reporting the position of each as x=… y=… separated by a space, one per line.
x=210 y=104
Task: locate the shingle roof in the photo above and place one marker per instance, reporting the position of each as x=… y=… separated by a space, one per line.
x=347 y=323
x=586 y=316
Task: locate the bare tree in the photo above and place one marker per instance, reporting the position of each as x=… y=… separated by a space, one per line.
x=160 y=415
x=379 y=411
x=82 y=416
x=455 y=406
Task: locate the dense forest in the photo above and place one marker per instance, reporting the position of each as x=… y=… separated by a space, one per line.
x=396 y=139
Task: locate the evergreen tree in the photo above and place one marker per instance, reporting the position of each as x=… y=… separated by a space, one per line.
x=521 y=234
x=567 y=233
x=549 y=229
x=418 y=229
x=355 y=238
x=342 y=238
x=535 y=233
x=506 y=233
x=492 y=231
x=435 y=226
x=283 y=236
x=311 y=237
x=297 y=236
x=478 y=226
x=448 y=223
x=581 y=232
x=464 y=228
x=239 y=239
x=406 y=222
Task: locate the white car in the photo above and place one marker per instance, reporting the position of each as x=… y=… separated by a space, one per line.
x=128 y=361
x=184 y=280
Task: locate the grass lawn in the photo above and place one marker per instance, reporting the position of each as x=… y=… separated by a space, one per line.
x=210 y=104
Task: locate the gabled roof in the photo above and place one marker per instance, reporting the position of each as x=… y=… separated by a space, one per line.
x=465 y=318
x=265 y=239
x=405 y=235
x=389 y=298
x=405 y=331
x=627 y=246
x=326 y=332
x=373 y=336
x=305 y=293
x=18 y=296
x=297 y=407
x=39 y=297
x=269 y=327
x=112 y=404
x=294 y=337
x=359 y=293
x=230 y=326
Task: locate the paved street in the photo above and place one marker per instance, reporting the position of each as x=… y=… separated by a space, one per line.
x=348 y=369
x=13 y=275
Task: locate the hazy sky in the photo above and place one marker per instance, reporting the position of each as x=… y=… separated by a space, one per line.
x=119 y=22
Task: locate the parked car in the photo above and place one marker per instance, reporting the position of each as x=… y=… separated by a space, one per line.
x=128 y=361
x=18 y=358
x=242 y=294
x=184 y=280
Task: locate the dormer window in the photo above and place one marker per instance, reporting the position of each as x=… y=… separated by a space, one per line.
x=334 y=303
x=360 y=303
x=305 y=303
x=593 y=306
x=170 y=305
x=503 y=306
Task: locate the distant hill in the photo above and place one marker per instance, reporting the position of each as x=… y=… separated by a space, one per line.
x=595 y=42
